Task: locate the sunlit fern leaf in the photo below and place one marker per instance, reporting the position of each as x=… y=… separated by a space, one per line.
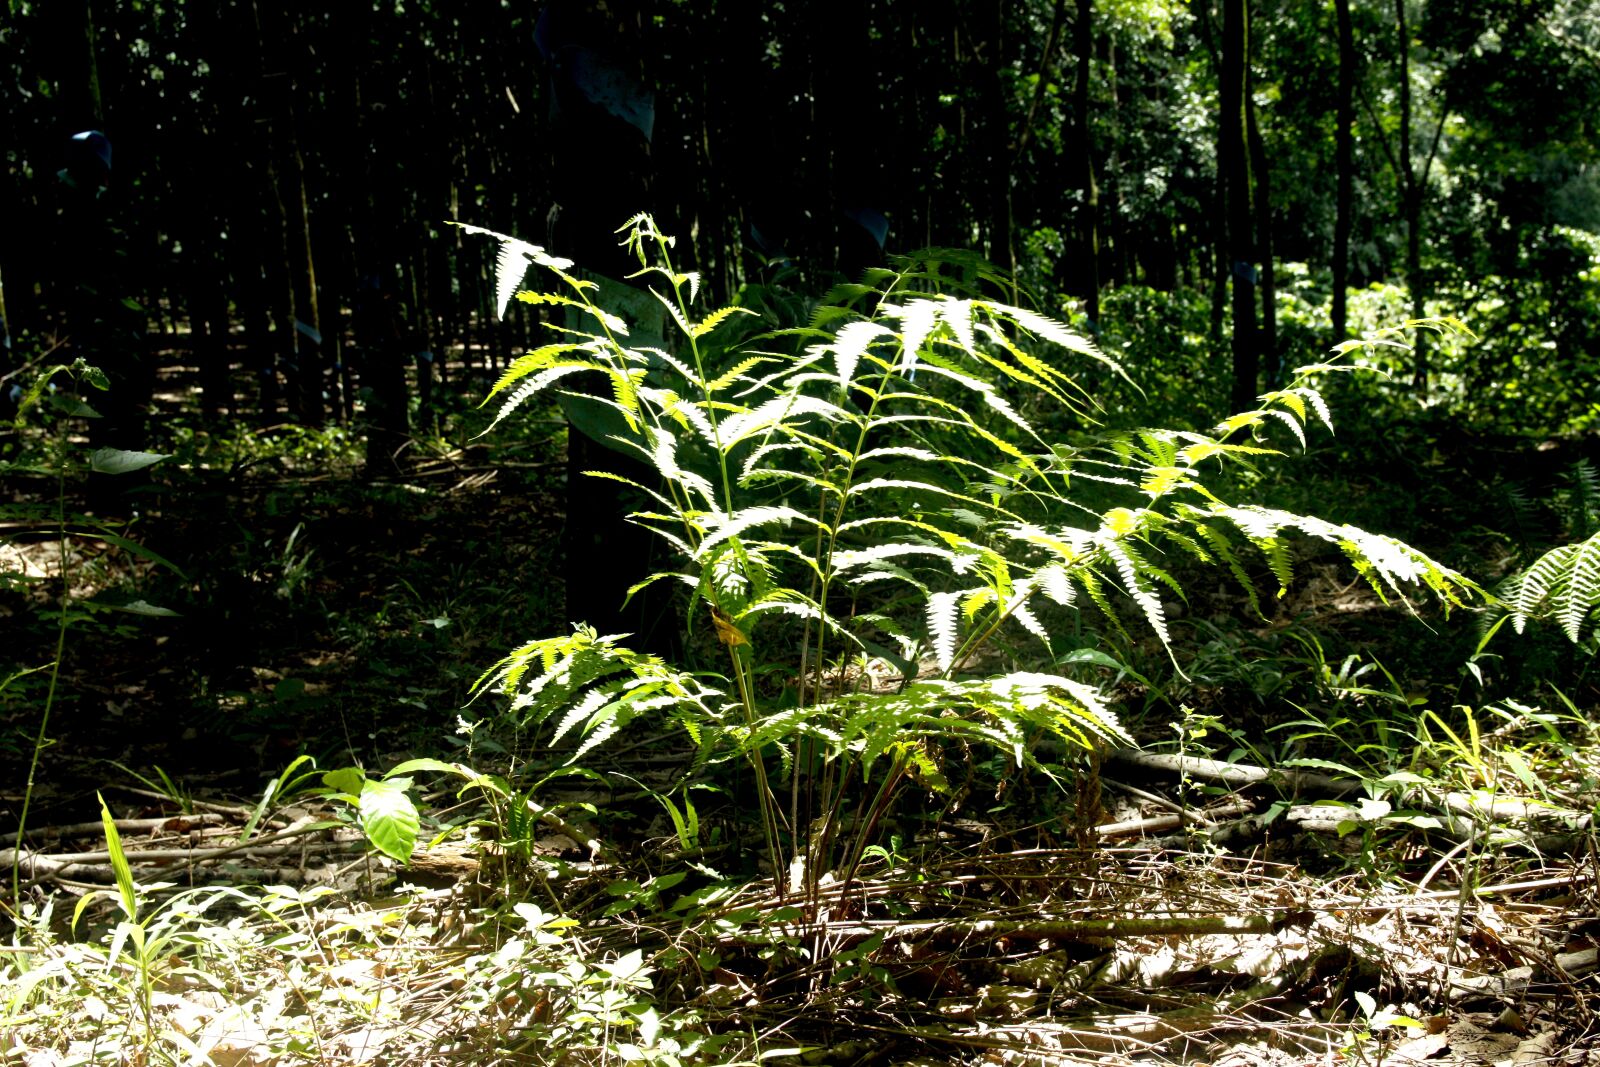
x=1203 y=450
x=849 y=344
x=1388 y=565
x=778 y=410
x=537 y=383
x=1029 y=621
x=585 y=707
x=1053 y=580
x=1290 y=421
x=1319 y=405
x=512 y=263
x=944 y=613
x=686 y=413
x=957 y=315
x=1568 y=578
x=1122 y=558
x=736 y=374
x=850 y=559
x=1582 y=596
x=715 y=319
x=624 y=391
x=720 y=529
x=918 y=320
x=1051 y=330
x=1290 y=399
x=530 y=363
x=614 y=323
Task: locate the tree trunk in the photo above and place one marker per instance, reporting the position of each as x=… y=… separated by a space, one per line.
x=597 y=536
x=1089 y=227
x=303 y=344
x=1262 y=200
x=997 y=139
x=1344 y=152
x=1411 y=196
x=1236 y=168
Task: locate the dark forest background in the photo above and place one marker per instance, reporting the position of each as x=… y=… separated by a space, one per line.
x=280 y=175
x=239 y=211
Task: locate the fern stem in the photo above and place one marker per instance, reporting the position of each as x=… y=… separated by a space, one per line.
x=766 y=801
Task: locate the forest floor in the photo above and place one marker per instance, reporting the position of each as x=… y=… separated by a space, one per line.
x=1175 y=910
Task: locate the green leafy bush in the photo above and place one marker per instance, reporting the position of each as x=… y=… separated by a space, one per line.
x=863 y=508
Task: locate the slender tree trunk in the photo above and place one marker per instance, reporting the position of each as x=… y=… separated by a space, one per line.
x=1411 y=185
x=1122 y=257
x=1236 y=166
x=1089 y=228
x=1219 y=213
x=1344 y=152
x=1261 y=190
x=997 y=137
x=303 y=345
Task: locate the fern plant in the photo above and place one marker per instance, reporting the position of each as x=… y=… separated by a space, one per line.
x=868 y=499
x=1563 y=584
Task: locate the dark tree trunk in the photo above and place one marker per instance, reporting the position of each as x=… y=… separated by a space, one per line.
x=1412 y=183
x=1261 y=190
x=1344 y=153
x=378 y=357
x=1236 y=168
x=997 y=138
x=302 y=346
x=1089 y=189
x=591 y=202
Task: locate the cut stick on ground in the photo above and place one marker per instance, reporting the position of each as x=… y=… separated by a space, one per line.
x=1156 y=824
x=175 y=823
x=1475 y=805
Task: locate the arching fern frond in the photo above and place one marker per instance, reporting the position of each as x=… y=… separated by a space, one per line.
x=1564 y=583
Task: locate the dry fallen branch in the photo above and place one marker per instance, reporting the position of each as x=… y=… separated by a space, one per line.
x=1044 y=928
x=41 y=867
x=170 y=823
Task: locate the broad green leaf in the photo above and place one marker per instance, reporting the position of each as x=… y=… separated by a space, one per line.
x=345 y=780
x=389 y=818
x=118 y=461
x=426 y=764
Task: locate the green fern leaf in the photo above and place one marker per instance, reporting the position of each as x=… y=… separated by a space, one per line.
x=944 y=610
x=534 y=385
x=1582 y=596
x=735 y=373
x=715 y=319
x=1123 y=560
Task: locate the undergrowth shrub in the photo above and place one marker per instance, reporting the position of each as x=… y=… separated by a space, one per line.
x=873 y=535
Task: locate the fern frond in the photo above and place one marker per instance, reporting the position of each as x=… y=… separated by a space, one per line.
x=775 y=411
x=722 y=529
x=715 y=319
x=735 y=373
x=1565 y=578
x=1582 y=596
x=614 y=323
x=944 y=612
x=852 y=558
x=512 y=263
x=1290 y=421
x=1123 y=558
x=850 y=342
x=529 y=363
x=537 y=383
x=1387 y=564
